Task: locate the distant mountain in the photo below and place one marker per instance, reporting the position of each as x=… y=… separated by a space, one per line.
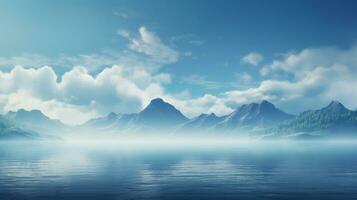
x=201 y=123
x=335 y=107
x=256 y=119
x=333 y=119
x=263 y=114
x=9 y=130
x=35 y=120
x=112 y=122
x=157 y=116
x=102 y=121
x=160 y=114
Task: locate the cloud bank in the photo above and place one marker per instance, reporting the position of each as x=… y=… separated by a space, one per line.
x=76 y=91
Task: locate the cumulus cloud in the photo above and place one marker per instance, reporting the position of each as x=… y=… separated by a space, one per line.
x=52 y=108
x=252 y=58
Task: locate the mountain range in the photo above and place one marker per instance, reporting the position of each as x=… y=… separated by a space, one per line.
x=160 y=117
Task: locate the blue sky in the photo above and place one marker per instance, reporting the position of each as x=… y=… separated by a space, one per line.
x=202 y=56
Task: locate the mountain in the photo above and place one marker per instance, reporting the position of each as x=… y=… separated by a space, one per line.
x=263 y=114
x=201 y=123
x=160 y=114
x=333 y=119
x=102 y=121
x=9 y=130
x=335 y=107
x=111 y=123
x=157 y=116
x=35 y=120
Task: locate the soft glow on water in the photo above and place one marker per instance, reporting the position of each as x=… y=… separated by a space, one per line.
x=180 y=169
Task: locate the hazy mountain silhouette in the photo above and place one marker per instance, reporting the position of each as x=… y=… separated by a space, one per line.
x=333 y=119
x=163 y=118
x=102 y=121
x=157 y=116
x=9 y=130
x=201 y=123
x=35 y=120
x=255 y=114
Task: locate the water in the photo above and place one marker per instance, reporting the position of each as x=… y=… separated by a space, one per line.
x=247 y=171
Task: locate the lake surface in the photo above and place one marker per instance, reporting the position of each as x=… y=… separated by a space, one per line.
x=299 y=170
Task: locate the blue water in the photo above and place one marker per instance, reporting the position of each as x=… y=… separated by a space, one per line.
x=251 y=171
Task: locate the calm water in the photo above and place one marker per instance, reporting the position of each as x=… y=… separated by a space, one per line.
x=249 y=171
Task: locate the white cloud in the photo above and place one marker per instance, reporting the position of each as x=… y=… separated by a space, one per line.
x=52 y=108
x=318 y=76
x=253 y=58
x=146 y=51
x=124 y=33
x=299 y=64
x=113 y=89
x=244 y=77
x=148 y=43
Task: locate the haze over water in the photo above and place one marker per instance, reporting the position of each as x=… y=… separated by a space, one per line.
x=251 y=170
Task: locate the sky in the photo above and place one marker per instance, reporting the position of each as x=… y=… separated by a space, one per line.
x=75 y=60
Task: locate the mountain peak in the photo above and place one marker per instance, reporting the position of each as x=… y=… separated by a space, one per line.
x=335 y=106
x=29 y=113
x=263 y=113
x=112 y=115
x=335 y=103
x=204 y=115
x=265 y=102
x=157 y=100
x=160 y=112
x=213 y=115
x=159 y=104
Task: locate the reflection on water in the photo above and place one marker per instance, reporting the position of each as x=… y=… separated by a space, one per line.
x=250 y=171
